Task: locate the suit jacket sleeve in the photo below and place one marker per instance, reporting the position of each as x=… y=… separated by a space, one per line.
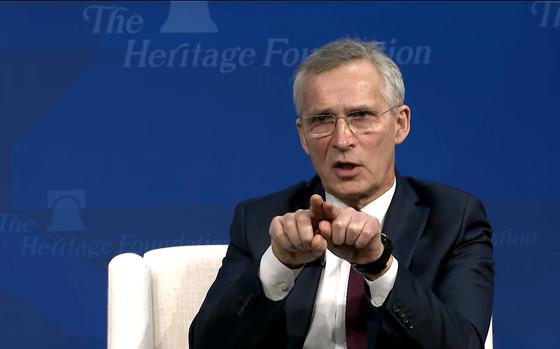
x=235 y=313
x=451 y=307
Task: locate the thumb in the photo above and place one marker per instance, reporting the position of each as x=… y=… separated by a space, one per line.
x=316 y=210
x=330 y=211
x=325 y=229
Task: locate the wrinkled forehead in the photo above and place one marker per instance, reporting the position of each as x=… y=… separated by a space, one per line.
x=352 y=85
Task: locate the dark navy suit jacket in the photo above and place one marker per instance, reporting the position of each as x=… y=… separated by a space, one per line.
x=442 y=296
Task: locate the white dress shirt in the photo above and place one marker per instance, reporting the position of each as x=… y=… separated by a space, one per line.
x=328 y=325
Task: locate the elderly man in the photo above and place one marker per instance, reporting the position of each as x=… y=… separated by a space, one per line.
x=358 y=257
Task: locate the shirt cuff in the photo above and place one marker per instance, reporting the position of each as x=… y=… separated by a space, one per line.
x=380 y=288
x=277 y=279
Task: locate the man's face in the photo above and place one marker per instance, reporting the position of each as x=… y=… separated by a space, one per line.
x=356 y=168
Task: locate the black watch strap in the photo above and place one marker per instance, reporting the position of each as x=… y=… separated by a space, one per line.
x=375 y=267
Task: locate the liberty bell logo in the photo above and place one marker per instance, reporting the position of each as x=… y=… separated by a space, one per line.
x=66 y=206
x=189 y=17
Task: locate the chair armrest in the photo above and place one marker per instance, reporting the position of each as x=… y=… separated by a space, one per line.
x=129 y=313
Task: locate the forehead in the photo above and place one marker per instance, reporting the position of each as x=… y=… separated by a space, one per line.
x=354 y=84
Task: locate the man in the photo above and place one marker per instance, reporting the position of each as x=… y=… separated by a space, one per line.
x=359 y=256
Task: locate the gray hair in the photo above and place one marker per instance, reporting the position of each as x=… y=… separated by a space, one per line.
x=339 y=52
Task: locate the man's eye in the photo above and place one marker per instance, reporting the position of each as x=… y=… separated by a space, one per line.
x=361 y=114
x=323 y=119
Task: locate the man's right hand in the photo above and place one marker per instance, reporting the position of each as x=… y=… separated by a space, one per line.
x=295 y=237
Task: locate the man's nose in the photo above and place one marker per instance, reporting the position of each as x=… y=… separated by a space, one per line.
x=343 y=137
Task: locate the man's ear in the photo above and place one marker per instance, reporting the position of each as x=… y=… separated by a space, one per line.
x=301 y=133
x=403 y=124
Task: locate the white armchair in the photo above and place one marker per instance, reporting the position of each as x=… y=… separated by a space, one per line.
x=153 y=300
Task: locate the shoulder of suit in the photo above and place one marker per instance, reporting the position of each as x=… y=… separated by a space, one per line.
x=437 y=192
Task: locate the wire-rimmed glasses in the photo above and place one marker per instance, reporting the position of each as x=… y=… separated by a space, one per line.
x=359 y=121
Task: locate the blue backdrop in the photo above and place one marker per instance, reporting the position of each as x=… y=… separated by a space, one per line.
x=131 y=126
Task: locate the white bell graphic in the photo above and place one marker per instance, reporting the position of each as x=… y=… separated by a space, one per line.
x=189 y=17
x=66 y=206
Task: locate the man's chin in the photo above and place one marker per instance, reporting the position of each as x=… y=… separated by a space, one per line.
x=353 y=193
x=347 y=191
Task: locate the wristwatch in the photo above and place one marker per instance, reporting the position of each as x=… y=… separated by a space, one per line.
x=375 y=267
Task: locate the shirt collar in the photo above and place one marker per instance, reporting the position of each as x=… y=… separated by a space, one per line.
x=377 y=208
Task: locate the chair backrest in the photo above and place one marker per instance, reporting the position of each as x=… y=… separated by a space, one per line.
x=153 y=300
x=489 y=344
x=181 y=277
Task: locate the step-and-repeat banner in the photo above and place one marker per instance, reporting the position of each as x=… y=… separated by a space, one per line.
x=132 y=126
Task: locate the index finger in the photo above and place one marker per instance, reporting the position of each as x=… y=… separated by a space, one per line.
x=316 y=210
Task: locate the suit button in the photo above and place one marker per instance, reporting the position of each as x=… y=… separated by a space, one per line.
x=396 y=308
x=410 y=325
x=405 y=320
x=402 y=315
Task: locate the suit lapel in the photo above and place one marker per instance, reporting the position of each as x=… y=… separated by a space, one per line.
x=301 y=300
x=300 y=303
x=405 y=221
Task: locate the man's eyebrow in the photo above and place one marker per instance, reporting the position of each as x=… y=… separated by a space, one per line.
x=325 y=111
x=330 y=111
x=360 y=107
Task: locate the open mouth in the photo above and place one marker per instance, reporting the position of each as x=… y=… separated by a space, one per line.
x=346 y=170
x=344 y=165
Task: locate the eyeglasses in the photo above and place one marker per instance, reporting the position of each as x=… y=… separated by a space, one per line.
x=359 y=121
